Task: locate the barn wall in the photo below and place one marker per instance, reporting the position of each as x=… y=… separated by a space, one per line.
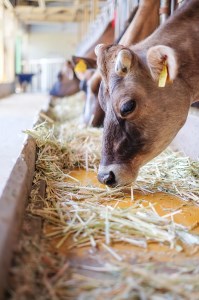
x=7 y=40
x=47 y=41
x=46 y=49
x=7 y=89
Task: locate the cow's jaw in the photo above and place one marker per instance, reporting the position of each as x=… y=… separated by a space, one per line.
x=120 y=174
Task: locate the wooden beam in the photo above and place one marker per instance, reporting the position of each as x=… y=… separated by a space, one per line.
x=80 y=10
x=86 y=19
x=8 y=4
x=2 y=61
x=54 y=14
x=42 y=3
x=38 y=10
x=30 y=18
x=95 y=8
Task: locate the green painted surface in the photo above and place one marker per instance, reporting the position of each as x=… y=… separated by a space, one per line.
x=18 y=54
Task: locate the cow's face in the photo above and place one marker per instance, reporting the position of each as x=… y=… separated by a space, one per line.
x=141 y=118
x=93 y=113
x=90 y=80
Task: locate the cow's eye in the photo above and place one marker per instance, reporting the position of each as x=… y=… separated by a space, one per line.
x=127 y=108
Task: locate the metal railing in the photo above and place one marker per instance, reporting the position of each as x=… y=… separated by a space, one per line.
x=97 y=27
x=120 y=10
x=45 y=72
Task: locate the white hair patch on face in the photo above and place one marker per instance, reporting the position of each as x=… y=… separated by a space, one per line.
x=98 y=48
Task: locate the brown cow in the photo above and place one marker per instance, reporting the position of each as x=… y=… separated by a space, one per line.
x=93 y=114
x=68 y=83
x=141 y=118
x=142 y=22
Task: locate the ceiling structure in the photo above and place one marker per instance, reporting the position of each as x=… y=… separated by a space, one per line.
x=33 y=11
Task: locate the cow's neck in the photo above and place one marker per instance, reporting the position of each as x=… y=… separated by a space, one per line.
x=181 y=32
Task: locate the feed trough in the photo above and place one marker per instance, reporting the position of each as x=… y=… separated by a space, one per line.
x=82 y=240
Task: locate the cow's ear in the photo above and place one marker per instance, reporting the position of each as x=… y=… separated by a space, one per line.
x=99 y=48
x=162 y=62
x=87 y=63
x=69 y=69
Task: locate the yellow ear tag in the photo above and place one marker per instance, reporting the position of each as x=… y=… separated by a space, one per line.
x=163 y=76
x=80 y=66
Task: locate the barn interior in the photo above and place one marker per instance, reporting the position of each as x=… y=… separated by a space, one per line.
x=64 y=235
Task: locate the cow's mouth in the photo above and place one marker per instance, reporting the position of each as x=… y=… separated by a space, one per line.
x=116 y=175
x=107 y=178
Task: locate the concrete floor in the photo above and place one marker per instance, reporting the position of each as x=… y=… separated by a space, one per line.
x=18 y=112
x=187 y=139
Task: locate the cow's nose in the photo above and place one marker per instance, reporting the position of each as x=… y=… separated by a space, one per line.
x=107 y=178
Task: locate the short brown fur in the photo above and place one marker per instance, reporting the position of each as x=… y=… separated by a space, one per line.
x=132 y=141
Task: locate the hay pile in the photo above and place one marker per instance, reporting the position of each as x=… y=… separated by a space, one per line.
x=38 y=274
x=171 y=173
x=73 y=145
x=90 y=217
x=83 y=212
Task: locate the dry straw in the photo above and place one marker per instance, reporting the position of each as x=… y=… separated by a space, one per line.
x=93 y=224
x=90 y=216
x=41 y=275
x=84 y=213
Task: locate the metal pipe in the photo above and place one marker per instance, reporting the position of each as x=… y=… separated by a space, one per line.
x=173 y=5
x=180 y=2
x=164 y=10
x=8 y=4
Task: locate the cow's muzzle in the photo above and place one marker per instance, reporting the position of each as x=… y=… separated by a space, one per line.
x=116 y=174
x=107 y=178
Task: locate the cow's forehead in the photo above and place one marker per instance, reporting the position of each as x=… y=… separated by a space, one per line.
x=106 y=59
x=118 y=86
x=106 y=63
x=110 y=51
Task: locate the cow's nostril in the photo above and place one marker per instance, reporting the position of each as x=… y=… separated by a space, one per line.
x=108 y=179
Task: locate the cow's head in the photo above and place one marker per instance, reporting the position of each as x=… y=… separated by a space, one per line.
x=90 y=80
x=93 y=113
x=83 y=67
x=68 y=83
x=68 y=70
x=141 y=118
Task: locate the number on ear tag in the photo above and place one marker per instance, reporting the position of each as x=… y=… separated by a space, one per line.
x=80 y=66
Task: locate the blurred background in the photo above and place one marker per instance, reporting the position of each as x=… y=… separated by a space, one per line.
x=38 y=36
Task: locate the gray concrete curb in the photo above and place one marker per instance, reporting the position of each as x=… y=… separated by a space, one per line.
x=12 y=206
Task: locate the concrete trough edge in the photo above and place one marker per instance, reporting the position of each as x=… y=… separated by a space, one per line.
x=13 y=202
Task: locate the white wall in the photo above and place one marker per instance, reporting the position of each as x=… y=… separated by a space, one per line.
x=45 y=51
x=8 y=28
x=52 y=41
